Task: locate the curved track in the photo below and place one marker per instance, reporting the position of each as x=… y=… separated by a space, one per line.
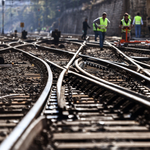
x=96 y=116
x=98 y=102
x=24 y=88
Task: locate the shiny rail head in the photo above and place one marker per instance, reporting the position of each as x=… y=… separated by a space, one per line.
x=60 y=93
x=25 y=122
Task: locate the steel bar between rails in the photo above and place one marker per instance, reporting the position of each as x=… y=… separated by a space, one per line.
x=60 y=98
x=130 y=59
x=51 y=63
x=106 y=82
x=98 y=60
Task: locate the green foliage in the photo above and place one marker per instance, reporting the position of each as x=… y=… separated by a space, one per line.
x=37 y=14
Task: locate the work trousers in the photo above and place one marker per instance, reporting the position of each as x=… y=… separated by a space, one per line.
x=137 y=31
x=101 y=37
x=96 y=35
x=149 y=30
x=84 y=34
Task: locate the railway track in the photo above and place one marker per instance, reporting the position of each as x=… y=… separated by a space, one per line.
x=23 y=80
x=114 y=75
x=139 y=54
x=63 y=45
x=43 y=98
x=60 y=54
x=112 y=119
x=94 y=103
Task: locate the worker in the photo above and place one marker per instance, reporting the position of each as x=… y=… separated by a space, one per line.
x=15 y=33
x=138 y=22
x=44 y=29
x=31 y=29
x=85 y=27
x=95 y=31
x=102 y=24
x=125 y=23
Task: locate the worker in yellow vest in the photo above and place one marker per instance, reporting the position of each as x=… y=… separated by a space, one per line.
x=138 y=22
x=102 y=24
x=125 y=23
x=85 y=27
x=95 y=31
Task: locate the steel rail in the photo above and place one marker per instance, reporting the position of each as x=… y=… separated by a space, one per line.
x=130 y=59
x=88 y=43
x=9 y=96
x=37 y=44
x=38 y=124
x=53 y=50
x=62 y=104
x=143 y=64
x=139 y=68
x=125 y=65
x=9 y=142
x=5 y=45
x=7 y=48
x=63 y=40
x=14 y=42
x=7 y=42
x=60 y=97
x=97 y=44
x=98 y=60
x=32 y=131
x=29 y=41
x=135 y=49
x=73 y=40
x=113 y=89
x=48 y=48
x=77 y=64
x=51 y=63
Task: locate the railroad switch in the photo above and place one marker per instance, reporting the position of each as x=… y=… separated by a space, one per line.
x=126 y=40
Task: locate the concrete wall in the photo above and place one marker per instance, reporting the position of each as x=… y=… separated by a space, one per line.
x=71 y=20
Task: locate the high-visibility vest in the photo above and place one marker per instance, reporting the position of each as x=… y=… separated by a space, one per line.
x=94 y=27
x=103 y=25
x=124 y=24
x=138 y=20
x=129 y=17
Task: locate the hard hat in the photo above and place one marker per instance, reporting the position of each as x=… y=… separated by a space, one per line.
x=126 y=14
x=104 y=13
